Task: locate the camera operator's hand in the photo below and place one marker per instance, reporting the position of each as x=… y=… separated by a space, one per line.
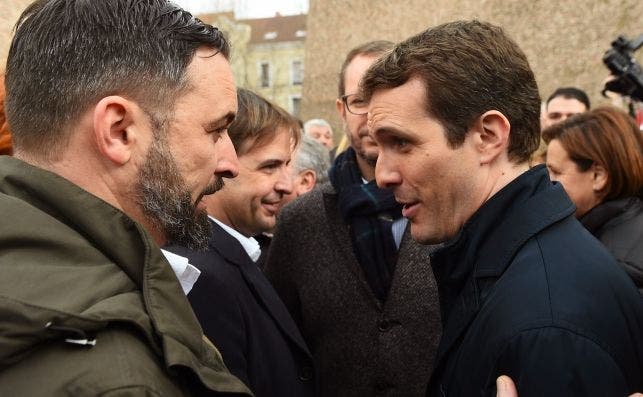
x=505 y=388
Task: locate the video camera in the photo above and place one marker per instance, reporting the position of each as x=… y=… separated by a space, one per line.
x=627 y=72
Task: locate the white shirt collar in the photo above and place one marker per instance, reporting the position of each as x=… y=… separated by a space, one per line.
x=186 y=273
x=249 y=244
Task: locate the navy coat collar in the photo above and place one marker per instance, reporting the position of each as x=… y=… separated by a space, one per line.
x=232 y=251
x=467 y=267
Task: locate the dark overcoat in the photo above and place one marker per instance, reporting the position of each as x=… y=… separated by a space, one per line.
x=245 y=319
x=618 y=224
x=526 y=291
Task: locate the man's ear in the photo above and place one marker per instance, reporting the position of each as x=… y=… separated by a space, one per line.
x=491 y=135
x=115 y=131
x=599 y=177
x=307 y=181
x=341 y=109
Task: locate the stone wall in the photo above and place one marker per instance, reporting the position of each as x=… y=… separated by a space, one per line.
x=564 y=40
x=10 y=10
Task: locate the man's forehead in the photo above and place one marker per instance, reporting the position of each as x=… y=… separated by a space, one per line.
x=322 y=128
x=255 y=143
x=562 y=103
x=408 y=98
x=357 y=68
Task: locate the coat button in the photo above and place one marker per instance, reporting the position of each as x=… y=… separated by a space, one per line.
x=384 y=325
x=306 y=374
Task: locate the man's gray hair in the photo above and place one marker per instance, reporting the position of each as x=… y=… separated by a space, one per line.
x=317 y=122
x=312 y=155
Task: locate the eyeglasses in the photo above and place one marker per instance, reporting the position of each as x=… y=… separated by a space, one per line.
x=354 y=104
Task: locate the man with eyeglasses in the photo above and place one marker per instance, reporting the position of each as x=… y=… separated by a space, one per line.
x=344 y=263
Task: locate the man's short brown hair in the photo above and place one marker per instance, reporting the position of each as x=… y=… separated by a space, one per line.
x=468 y=68
x=372 y=48
x=257 y=122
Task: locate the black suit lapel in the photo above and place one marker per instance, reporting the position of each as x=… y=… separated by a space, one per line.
x=232 y=251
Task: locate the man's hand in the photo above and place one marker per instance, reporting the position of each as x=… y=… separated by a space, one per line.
x=505 y=388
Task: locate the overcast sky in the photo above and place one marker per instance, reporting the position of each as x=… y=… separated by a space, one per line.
x=246 y=8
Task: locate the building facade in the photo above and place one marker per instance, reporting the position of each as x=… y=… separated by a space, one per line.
x=267 y=55
x=564 y=41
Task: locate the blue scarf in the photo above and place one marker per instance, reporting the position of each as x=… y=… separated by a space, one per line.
x=370 y=212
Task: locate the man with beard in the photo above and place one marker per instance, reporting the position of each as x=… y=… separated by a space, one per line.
x=236 y=305
x=119 y=112
x=344 y=263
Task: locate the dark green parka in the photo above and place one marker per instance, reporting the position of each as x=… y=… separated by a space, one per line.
x=88 y=304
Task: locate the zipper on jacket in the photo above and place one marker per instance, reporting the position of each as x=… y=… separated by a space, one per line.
x=75 y=336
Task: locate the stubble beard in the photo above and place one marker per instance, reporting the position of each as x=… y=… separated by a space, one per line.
x=361 y=152
x=371 y=160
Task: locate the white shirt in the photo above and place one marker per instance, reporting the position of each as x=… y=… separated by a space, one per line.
x=249 y=244
x=398 y=227
x=186 y=273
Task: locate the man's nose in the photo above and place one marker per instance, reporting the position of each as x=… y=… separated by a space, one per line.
x=284 y=183
x=386 y=175
x=228 y=162
x=566 y=116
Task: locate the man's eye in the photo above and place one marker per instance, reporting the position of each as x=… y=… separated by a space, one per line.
x=270 y=167
x=401 y=143
x=554 y=116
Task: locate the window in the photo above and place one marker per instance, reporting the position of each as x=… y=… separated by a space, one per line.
x=295 y=105
x=297 y=72
x=264 y=74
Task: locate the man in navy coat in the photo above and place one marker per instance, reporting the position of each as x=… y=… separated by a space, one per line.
x=237 y=307
x=525 y=290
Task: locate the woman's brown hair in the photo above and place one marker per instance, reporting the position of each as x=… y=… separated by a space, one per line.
x=609 y=137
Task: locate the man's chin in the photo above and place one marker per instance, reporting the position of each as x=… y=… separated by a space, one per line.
x=268 y=224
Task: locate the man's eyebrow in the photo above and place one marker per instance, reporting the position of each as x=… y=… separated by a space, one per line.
x=386 y=131
x=270 y=162
x=222 y=122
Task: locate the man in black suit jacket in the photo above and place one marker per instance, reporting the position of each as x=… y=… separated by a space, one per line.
x=237 y=307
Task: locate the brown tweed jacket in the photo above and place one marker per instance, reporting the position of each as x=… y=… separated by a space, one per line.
x=360 y=347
